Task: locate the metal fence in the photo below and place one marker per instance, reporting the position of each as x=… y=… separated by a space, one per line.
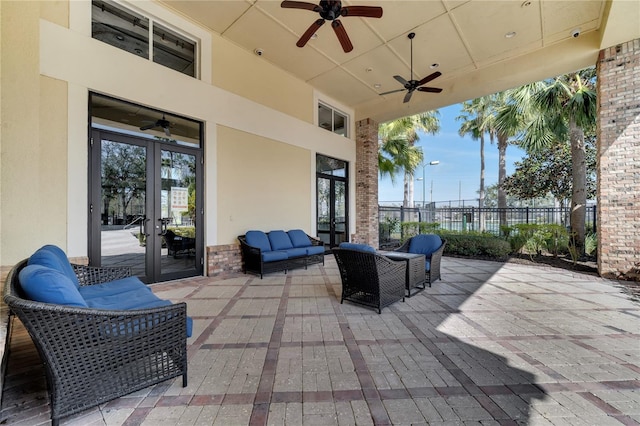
x=473 y=218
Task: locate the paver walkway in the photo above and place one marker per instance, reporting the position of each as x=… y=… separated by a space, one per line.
x=490 y=344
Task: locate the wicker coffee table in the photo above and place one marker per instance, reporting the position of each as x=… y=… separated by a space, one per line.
x=416 y=278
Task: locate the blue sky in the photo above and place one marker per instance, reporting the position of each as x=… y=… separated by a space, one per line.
x=459 y=170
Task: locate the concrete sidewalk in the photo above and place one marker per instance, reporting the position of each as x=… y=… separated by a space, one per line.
x=490 y=344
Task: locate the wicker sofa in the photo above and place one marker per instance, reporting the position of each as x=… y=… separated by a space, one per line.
x=275 y=251
x=432 y=246
x=93 y=355
x=369 y=278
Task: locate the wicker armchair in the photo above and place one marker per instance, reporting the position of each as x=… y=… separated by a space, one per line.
x=177 y=245
x=370 y=279
x=427 y=244
x=92 y=356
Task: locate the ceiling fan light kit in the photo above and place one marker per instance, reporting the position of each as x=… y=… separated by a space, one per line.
x=331 y=10
x=412 y=85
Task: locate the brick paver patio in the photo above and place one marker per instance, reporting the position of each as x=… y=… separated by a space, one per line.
x=490 y=344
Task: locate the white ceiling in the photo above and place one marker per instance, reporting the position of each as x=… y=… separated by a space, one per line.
x=466 y=38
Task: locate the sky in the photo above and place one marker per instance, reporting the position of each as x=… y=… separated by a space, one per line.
x=457 y=176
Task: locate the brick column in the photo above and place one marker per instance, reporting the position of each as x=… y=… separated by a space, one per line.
x=366 y=183
x=618 y=219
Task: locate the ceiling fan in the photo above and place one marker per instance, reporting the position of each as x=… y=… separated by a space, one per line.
x=163 y=123
x=330 y=10
x=412 y=85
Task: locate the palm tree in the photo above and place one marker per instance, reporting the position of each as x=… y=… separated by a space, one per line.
x=475 y=121
x=548 y=113
x=397 y=148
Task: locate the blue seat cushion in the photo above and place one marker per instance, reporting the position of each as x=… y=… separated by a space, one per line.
x=112 y=288
x=314 y=250
x=258 y=239
x=273 y=256
x=53 y=257
x=279 y=240
x=299 y=238
x=296 y=252
x=425 y=244
x=360 y=247
x=48 y=285
x=427 y=265
x=134 y=298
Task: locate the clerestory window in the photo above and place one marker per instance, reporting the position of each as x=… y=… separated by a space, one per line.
x=140 y=35
x=333 y=120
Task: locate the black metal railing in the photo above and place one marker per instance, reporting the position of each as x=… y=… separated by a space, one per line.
x=473 y=218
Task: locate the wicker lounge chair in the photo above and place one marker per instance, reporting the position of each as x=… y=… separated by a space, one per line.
x=92 y=356
x=370 y=279
x=432 y=246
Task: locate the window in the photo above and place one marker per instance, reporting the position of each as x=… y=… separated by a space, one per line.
x=332 y=120
x=131 y=31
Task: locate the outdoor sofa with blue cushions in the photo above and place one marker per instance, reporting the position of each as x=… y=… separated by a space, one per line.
x=432 y=246
x=369 y=278
x=100 y=332
x=265 y=252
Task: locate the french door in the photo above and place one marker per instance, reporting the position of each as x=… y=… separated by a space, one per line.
x=331 y=197
x=145 y=206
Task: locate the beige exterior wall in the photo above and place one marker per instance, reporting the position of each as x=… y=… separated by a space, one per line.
x=50 y=65
x=264 y=185
x=254 y=78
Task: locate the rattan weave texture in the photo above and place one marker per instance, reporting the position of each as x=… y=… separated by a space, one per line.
x=92 y=356
x=433 y=274
x=370 y=279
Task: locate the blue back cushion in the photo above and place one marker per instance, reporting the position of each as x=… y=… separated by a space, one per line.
x=42 y=284
x=279 y=240
x=425 y=244
x=53 y=257
x=299 y=238
x=258 y=239
x=354 y=246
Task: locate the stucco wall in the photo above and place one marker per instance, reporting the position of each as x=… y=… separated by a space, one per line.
x=50 y=65
x=264 y=185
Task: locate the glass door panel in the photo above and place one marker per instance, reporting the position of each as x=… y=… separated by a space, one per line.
x=339 y=219
x=177 y=212
x=123 y=220
x=324 y=211
x=332 y=203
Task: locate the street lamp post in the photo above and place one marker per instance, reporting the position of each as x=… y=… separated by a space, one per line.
x=431 y=163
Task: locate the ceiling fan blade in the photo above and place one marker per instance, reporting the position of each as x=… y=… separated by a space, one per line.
x=430 y=89
x=310 y=31
x=366 y=11
x=400 y=80
x=300 y=5
x=148 y=126
x=429 y=78
x=407 y=97
x=338 y=28
x=392 y=91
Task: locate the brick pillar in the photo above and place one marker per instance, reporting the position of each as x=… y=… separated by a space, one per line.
x=618 y=216
x=366 y=183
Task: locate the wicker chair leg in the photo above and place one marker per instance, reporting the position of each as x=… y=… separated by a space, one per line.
x=184 y=380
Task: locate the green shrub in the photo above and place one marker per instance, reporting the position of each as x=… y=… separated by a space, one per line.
x=535 y=238
x=411 y=229
x=475 y=244
x=590 y=244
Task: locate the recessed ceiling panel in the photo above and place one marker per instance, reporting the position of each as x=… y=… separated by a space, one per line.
x=485 y=25
x=343 y=87
x=278 y=45
x=560 y=17
x=378 y=67
x=217 y=15
x=398 y=16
